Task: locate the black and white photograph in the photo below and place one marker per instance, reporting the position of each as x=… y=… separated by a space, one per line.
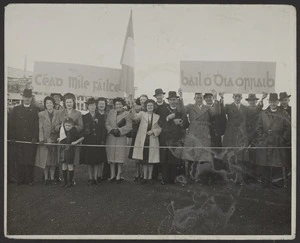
x=150 y=121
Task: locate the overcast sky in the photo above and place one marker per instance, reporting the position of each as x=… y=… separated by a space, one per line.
x=164 y=35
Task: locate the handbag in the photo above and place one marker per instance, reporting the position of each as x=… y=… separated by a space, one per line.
x=122 y=123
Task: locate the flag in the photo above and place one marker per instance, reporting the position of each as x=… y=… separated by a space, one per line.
x=62 y=133
x=127 y=61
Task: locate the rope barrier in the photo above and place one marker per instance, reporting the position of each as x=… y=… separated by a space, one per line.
x=132 y=146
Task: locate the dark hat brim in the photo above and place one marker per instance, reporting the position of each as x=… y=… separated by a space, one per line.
x=159 y=94
x=252 y=99
x=173 y=97
x=284 y=97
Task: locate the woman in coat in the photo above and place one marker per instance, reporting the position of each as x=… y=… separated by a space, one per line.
x=135 y=126
x=273 y=129
x=118 y=124
x=104 y=171
x=70 y=111
x=46 y=157
x=93 y=134
x=147 y=135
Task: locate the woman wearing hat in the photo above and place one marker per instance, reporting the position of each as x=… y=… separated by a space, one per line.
x=273 y=129
x=70 y=111
x=147 y=135
x=94 y=134
x=102 y=110
x=46 y=157
x=118 y=124
x=140 y=106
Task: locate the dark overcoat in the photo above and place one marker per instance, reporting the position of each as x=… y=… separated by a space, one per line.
x=217 y=128
x=273 y=129
x=94 y=132
x=24 y=126
x=236 y=130
x=171 y=135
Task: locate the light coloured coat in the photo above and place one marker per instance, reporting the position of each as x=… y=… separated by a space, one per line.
x=198 y=133
x=47 y=134
x=141 y=136
x=117 y=154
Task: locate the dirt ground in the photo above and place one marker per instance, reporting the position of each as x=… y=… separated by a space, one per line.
x=130 y=208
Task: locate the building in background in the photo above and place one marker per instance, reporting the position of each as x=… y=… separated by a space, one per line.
x=18 y=80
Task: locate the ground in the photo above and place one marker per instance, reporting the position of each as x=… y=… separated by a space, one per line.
x=132 y=208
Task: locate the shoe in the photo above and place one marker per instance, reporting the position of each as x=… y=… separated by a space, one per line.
x=64 y=184
x=73 y=182
x=112 y=179
x=136 y=178
x=47 y=182
x=119 y=180
x=70 y=184
x=53 y=182
x=90 y=182
x=99 y=179
x=143 y=181
x=96 y=183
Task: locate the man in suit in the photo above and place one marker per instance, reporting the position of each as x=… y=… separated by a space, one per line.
x=217 y=128
x=273 y=129
x=198 y=135
x=160 y=107
x=24 y=126
x=173 y=123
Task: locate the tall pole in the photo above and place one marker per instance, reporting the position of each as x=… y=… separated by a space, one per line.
x=25 y=66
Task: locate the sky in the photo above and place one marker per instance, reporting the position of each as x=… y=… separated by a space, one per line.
x=163 y=34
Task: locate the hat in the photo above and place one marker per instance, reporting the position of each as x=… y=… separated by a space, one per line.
x=90 y=101
x=69 y=120
x=172 y=94
x=273 y=97
x=283 y=95
x=27 y=93
x=60 y=95
x=251 y=97
x=207 y=94
x=158 y=92
x=69 y=96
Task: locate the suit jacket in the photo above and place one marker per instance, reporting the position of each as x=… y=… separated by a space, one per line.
x=23 y=123
x=273 y=130
x=94 y=130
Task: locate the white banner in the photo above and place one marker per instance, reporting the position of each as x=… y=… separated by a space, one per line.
x=82 y=80
x=227 y=76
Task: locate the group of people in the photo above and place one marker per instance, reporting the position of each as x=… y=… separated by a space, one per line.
x=167 y=139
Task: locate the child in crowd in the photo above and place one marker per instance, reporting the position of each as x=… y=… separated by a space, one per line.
x=68 y=136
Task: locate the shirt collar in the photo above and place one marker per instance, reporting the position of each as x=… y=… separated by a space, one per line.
x=26 y=105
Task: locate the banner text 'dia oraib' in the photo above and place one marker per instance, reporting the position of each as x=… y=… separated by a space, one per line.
x=230 y=77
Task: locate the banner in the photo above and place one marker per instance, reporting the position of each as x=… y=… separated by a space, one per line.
x=229 y=77
x=49 y=77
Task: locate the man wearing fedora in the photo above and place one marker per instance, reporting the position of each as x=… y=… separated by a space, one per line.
x=24 y=126
x=254 y=110
x=273 y=131
x=160 y=107
x=173 y=123
x=198 y=135
x=58 y=99
x=284 y=99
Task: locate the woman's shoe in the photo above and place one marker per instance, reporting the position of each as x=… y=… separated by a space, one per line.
x=119 y=180
x=112 y=179
x=96 y=183
x=144 y=181
x=70 y=184
x=53 y=182
x=90 y=182
x=47 y=182
x=136 y=178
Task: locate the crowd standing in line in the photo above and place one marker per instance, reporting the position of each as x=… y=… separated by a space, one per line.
x=164 y=137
